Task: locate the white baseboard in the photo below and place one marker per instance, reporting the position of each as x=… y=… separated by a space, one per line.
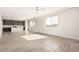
x=57 y=35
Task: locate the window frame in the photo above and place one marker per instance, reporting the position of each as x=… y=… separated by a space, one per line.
x=52 y=21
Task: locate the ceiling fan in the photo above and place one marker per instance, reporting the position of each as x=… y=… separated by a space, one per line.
x=39 y=8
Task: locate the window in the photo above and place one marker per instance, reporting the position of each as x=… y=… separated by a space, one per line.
x=52 y=21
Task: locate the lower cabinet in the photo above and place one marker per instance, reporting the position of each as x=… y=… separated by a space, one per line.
x=7 y=29
x=16 y=29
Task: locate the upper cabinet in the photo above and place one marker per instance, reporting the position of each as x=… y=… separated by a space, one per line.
x=12 y=22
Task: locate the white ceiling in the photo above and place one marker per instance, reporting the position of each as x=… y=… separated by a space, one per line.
x=25 y=13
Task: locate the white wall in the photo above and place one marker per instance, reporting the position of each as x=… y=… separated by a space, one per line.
x=68 y=25
x=26 y=27
x=0 y=26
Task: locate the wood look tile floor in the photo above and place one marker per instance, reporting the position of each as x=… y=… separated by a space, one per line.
x=13 y=42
